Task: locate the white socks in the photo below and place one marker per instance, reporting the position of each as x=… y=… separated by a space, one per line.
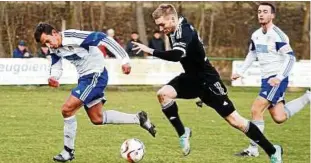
x=296 y=105
x=115 y=117
x=70 y=128
x=110 y=117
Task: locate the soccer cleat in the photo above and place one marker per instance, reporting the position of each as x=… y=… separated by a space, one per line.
x=277 y=156
x=249 y=152
x=146 y=124
x=184 y=141
x=66 y=155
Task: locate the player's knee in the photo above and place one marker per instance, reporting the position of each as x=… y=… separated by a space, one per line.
x=162 y=95
x=236 y=124
x=67 y=110
x=256 y=113
x=97 y=121
x=166 y=93
x=259 y=107
x=279 y=119
x=237 y=121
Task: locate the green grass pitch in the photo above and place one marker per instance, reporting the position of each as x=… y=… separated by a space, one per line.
x=32 y=129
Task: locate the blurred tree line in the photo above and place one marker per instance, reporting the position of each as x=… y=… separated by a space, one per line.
x=225 y=27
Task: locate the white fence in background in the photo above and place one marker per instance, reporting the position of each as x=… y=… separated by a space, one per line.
x=144 y=72
x=36 y=71
x=299 y=77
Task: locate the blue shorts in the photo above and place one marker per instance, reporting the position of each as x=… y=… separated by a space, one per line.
x=91 y=87
x=273 y=94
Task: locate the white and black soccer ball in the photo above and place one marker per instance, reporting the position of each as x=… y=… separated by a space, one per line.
x=132 y=150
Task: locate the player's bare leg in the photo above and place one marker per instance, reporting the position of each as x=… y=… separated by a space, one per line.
x=166 y=96
x=280 y=112
x=258 y=108
x=98 y=117
x=69 y=109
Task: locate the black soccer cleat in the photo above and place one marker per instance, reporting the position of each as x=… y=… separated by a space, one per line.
x=66 y=155
x=247 y=153
x=146 y=124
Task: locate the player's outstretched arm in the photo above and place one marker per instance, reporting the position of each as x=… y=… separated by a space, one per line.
x=56 y=70
x=250 y=58
x=170 y=55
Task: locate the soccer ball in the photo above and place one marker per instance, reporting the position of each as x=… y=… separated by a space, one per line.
x=132 y=150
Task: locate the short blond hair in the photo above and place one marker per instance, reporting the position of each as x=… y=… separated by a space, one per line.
x=164 y=10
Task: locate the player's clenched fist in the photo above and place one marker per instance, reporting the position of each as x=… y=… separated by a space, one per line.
x=274 y=81
x=53 y=82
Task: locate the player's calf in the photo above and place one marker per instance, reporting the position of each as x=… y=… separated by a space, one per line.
x=295 y=106
x=71 y=106
x=279 y=119
x=95 y=113
x=251 y=131
x=237 y=121
x=97 y=121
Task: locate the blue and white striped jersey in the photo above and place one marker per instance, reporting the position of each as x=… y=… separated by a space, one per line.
x=273 y=51
x=81 y=49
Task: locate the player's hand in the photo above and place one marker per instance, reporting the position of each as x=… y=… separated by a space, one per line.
x=53 y=82
x=141 y=47
x=126 y=68
x=235 y=76
x=274 y=81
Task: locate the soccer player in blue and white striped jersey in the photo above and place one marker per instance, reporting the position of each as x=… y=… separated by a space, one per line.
x=270 y=45
x=81 y=49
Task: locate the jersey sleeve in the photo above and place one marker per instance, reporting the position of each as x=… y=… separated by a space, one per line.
x=116 y=49
x=99 y=38
x=56 y=68
x=183 y=38
x=250 y=58
x=284 y=49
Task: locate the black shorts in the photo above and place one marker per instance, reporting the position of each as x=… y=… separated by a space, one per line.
x=213 y=94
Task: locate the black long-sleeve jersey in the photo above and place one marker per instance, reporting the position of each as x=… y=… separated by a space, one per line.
x=188 y=48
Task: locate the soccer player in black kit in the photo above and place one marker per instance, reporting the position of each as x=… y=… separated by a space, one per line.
x=200 y=79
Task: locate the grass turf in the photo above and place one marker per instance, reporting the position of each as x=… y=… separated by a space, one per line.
x=32 y=128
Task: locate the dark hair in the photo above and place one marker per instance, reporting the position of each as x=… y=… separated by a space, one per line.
x=271 y=4
x=43 y=28
x=134 y=32
x=156 y=31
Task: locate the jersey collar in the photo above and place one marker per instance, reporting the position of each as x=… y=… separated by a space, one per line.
x=65 y=40
x=180 y=20
x=269 y=29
